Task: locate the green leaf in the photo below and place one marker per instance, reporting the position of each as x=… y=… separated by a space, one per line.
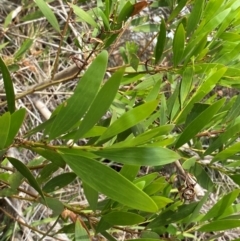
x=202 y=91
x=220 y=225
x=84 y=94
x=186 y=84
x=114 y=186
x=25 y=46
x=178 y=44
x=122 y=218
x=177 y=10
x=5 y=122
x=47 y=12
x=59 y=182
x=129 y=171
x=80 y=232
x=17 y=119
x=198 y=123
x=145 y=137
x=161 y=39
x=221 y=205
x=129 y=119
x=50 y=155
x=84 y=16
x=46 y=173
x=161 y=202
x=27 y=174
x=54 y=204
x=8 y=85
x=91 y=195
x=195 y=16
x=227 y=152
x=139 y=156
x=223 y=138
x=118 y=218
x=100 y=104
x=171 y=217
x=195 y=213
x=215 y=21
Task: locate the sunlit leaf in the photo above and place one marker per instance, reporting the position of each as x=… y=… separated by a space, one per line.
x=8 y=85
x=46 y=10
x=114 y=186
x=84 y=93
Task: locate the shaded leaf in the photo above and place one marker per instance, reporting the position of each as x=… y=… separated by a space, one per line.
x=27 y=174
x=91 y=195
x=198 y=123
x=59 y=182
x=161 y=39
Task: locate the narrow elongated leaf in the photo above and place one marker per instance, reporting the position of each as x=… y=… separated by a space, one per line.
x=27 y=174
x=84 y=16
x=8 y=85
x=100 y=104
x=227 y=152
x=186 y=84
x=130 y=119
x=220 y=225
x=123 y=218
x=215 y=21
x=178 y=44
x=91 y=195
x=198 y=123
x=86 y=90
x=195 y=213
x=80 y=232
x=16 y=122
x=223 y=138
x=146 y=137
x=161 y=39
x=140 y=156
x=221 y=205
x=177 y=10
x=118 y=218
x=171 y=217
x=26 y=45
x=105 y=180
x=54 y=204
x=47 y=12
x=59 y=182
x=50 y=155
x=5 y=122
x=195 y=16
x=204 y=89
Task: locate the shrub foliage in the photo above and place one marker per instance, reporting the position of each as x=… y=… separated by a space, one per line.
x=170 y=104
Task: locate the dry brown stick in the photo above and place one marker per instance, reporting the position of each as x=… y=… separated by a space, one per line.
x=26 y=225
